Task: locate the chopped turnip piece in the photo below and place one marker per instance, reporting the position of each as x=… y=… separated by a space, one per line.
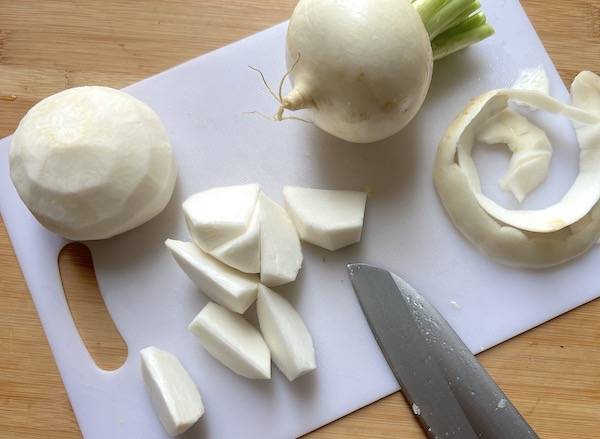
x=327 y=218
x=174 y=395
x=218 y=215
x=243 y=252
x=233 y=341
x=280 y=251
x=286 y=334
x=223 y=284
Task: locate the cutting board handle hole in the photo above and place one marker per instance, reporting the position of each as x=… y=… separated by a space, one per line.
x=96 y=328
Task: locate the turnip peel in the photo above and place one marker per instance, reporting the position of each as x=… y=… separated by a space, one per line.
x=530 y=238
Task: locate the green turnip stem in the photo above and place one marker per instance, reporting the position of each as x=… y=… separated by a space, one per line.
x=428 y=8
x=471 y=10
x=468 y=24
x=469 y=32
x=452 y=24
x=436 y=24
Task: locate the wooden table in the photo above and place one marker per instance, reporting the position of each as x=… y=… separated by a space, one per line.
x=552 y=373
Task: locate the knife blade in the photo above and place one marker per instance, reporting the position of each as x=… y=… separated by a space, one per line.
x=451 y=393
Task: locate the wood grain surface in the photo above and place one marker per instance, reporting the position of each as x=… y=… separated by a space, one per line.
x=551 y=373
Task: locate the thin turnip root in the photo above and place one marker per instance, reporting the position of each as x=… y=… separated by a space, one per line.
x=363 y=67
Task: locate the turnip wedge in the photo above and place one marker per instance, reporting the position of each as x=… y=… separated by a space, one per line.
x=232 y=341
x=331 y=219
x=280 y=250
x=223 y=284
x=285 y=333
x=174 y=395
x=532 y=238
x=218 y=215
x=363 y=68
x=243 y=252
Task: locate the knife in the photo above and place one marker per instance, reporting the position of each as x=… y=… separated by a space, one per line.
x=450 y=392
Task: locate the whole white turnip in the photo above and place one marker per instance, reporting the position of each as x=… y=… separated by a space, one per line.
x=363 y=67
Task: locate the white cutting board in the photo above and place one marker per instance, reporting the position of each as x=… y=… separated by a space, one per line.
x=202 y=104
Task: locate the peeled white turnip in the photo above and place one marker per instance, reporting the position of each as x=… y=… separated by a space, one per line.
x=92 y=162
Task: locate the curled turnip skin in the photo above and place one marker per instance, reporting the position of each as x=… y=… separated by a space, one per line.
x=524 y=238
x=362 y=67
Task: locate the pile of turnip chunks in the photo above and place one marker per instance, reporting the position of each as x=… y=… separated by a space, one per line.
x=243 y=244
